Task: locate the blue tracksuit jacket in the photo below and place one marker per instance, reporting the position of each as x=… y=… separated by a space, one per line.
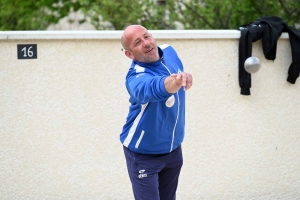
x=156 y=120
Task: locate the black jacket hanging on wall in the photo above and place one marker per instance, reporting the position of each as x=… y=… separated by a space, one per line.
x=268 y=29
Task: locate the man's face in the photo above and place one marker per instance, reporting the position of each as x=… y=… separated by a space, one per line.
x=141 y=45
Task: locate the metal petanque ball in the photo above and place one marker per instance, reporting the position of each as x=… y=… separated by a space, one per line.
x=252 y=64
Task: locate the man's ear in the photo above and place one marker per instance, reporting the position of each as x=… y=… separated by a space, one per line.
x=129 y=54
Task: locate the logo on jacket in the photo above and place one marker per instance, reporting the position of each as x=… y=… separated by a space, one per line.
x=170 y=101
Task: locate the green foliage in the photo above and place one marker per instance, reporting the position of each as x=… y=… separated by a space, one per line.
x=121 y=13
x=230 y=14
x=31 y=14
x=117 y=14
x=14 y=15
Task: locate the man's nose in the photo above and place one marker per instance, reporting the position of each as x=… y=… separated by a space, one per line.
x=146 y=43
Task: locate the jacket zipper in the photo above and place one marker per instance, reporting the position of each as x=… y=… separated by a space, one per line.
x=177 y=108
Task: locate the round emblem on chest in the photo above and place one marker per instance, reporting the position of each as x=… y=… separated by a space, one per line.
x=170 y=101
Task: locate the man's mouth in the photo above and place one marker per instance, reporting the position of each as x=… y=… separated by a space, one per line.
x=149 y=50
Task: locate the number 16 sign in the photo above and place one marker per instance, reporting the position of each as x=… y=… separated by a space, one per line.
x=27 y=51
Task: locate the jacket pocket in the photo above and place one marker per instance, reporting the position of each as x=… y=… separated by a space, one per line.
x=139 y=140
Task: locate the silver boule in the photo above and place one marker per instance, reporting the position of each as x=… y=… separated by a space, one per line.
x=252 y=64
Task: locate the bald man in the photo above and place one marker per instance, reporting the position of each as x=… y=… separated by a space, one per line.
x=155 y=125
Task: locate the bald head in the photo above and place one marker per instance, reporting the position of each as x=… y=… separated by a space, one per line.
x=139 y=44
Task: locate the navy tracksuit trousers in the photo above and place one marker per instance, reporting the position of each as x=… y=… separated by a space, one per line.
x=154 y=176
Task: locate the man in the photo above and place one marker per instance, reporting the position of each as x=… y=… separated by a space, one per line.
x=154 y=129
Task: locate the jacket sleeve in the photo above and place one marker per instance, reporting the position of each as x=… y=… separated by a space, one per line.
x=294 y=68
x=145 y=87
x=249 y=34
x=245 y=50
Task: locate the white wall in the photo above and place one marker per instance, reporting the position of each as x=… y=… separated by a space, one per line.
x=61 y=115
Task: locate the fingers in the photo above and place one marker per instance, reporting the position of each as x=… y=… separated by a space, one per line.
x=186 y=79
x=183 y=77
x=188 y=84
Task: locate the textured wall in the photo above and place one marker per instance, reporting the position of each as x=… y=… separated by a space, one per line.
x=61 y=115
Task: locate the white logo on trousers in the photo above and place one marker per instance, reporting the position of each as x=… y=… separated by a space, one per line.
x=142 y=175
